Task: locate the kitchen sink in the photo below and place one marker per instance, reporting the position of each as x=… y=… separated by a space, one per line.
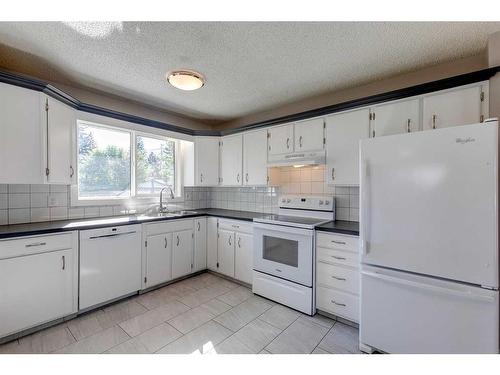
x=179 y=213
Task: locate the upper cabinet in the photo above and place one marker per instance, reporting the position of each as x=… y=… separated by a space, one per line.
x=201 y=161
x=21 y=145
x=37 y=136
x=306 y=135
x=59 y=130
x=465 y=105
x=255 y=158
x=343 y=132
x=309 y=135
x=395 y=118
x=280 y=140
x=231 y=160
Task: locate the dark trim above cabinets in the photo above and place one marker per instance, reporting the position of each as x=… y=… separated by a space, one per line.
x=442 y=84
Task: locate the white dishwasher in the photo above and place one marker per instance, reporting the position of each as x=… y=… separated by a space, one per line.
x=110 y=264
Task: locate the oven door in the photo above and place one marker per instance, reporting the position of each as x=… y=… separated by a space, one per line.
x=285 y=252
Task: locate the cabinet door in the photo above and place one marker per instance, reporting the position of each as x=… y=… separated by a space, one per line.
x=396 y=118
x=206 y=161
x=60 y=122
x=255 y=158
x=243 y=258
x=280 y=139
x=21 y=141
x=36 y=289
x=231 y=157
x=158 y=259
x=226 y=252
x=212 y=243
x=182 y=253
x=343 y=132
x=452 y=108
x=309 y=135
x=200 y=244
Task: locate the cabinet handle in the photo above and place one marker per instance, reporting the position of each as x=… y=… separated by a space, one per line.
x=338 y=304
x=199 y=226
x=246 y=177
x=238 y=177
x=229 y=240
x=434 y=117
x=336 y=257
x=300 y=141
x=72 y=171
x=166 y=242
x=408 y=127
x=239 y=242
x=35 y=244
x=288 y=143
x=178 y=241
x=338 y=278
x=235 y=226
x=201 y=177
x=339 y=242
x=63 y=262
x=333 y=174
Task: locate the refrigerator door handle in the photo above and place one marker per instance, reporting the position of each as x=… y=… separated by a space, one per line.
x=364 y=206
x=428 y=287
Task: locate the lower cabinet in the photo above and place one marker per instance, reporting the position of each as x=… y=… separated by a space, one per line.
x=182 y=253
x=212 y=245
x=158 y=259
x=167 y=251
x=39 y=278
x=337 y=275
x=235 y=250
x=200 y=244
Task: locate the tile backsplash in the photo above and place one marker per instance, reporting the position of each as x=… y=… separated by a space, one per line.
x=34 y=203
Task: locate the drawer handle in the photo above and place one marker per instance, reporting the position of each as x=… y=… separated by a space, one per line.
x=338 y=278
x=36 y=244
x=338 y=304
x=339 y=242
x=235 y=226
x=336 y=257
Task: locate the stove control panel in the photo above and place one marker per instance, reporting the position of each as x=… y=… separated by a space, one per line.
x=308 y=202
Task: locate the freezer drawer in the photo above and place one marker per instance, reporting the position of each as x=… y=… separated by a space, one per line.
x=405 y=313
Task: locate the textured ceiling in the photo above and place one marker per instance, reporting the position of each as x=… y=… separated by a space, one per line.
x=249 y=67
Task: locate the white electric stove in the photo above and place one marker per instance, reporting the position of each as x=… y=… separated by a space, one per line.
x=284 y=259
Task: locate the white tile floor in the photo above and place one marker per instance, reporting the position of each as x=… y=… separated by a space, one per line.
x=204 y=314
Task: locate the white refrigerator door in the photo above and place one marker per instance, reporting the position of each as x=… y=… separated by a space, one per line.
x=404 y=313
x=429 y=203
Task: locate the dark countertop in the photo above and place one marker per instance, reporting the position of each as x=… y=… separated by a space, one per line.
x=30 y=229
x=340 y=226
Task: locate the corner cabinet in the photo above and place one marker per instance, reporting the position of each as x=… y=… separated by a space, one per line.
x=343 y=133
x=231 y=160
x=201 y=161
x=39 y=278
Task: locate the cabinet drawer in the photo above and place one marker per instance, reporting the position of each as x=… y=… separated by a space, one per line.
x=343 y=278
x=168 y=226
x=236 y=226
x=34 y=245
x=337 y=241
x=342 y=304
x=345 y=258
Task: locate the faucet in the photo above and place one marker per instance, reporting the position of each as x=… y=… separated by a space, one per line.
x=172 y=196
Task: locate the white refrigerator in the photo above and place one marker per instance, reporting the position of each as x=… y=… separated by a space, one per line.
x=429 y=241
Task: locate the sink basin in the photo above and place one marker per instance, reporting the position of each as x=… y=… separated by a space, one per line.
x=169 y=214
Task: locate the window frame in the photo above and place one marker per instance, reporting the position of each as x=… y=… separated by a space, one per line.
x=134 y=197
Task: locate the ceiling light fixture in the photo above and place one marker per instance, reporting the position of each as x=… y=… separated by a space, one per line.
x=187 y=80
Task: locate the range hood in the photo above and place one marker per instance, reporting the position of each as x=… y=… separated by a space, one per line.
x=297 y=158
